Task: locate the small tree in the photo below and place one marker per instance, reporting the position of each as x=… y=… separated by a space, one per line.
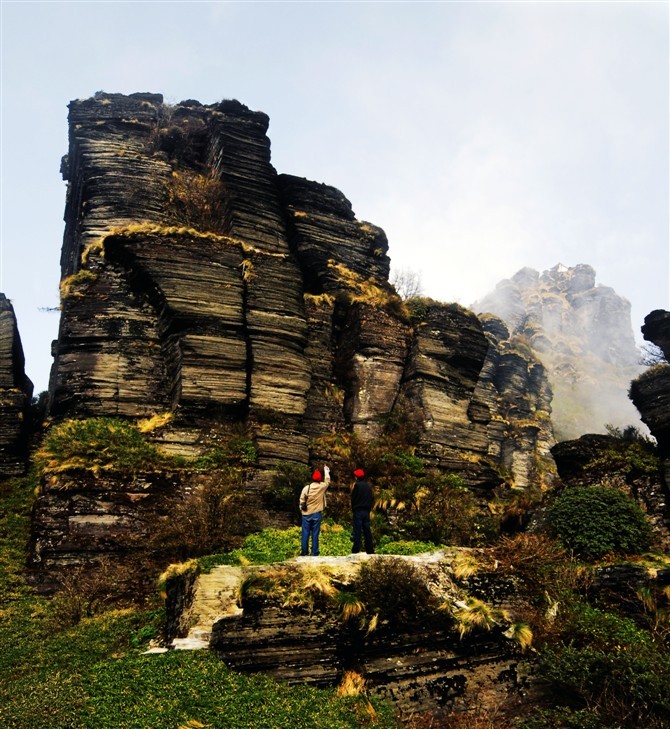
x=407 y=283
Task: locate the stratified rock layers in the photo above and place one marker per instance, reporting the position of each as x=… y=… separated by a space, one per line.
x=582 y=334
x=15 y=393
x=196 y=280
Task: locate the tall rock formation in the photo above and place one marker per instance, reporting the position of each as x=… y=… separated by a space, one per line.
x=15 y=394
x=582 y=333
x=198 y=281
x=650 y=392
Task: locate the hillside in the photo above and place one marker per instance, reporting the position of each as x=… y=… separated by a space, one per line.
x=224 y=330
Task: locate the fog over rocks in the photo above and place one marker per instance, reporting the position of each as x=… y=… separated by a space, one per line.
x=582 y=333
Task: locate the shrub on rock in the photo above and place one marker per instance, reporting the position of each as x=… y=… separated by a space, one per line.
x=595 y=520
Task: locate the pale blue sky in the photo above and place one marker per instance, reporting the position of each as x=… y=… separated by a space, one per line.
x=481 y=136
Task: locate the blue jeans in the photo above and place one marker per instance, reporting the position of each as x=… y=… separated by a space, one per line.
x=362 y=524
x=311 y=524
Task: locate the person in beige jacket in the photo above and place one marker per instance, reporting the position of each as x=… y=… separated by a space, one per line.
x=312 y=504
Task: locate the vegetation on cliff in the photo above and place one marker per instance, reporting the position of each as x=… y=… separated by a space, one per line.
x=116 y=446
x=594 y=521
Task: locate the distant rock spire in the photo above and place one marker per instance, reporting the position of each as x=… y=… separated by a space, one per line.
x=582 y=333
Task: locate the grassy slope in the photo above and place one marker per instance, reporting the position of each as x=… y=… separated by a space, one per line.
x=93 y=675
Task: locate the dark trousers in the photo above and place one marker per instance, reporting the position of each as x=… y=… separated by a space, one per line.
x=362 y=524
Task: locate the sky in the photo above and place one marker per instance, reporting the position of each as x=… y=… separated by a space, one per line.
x=482 y=136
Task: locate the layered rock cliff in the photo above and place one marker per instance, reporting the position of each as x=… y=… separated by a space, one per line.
x=581 y=331
x=15 y=394
x=197 y=281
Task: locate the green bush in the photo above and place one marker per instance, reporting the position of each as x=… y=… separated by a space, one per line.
x=562 y=718
x=631 y=453
x=606 y=662
x=443 y=511
x=588 y=626
x=627 y=685
x=238 y=451
x=595 y=520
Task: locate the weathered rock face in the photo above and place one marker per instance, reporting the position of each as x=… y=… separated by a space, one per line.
x=480 y=401
x=422 y=662
x=422 y=665
x=83 y=517
x=199 y=282
x=650 y=392
x=15 y=393
x=582 y=334
x=514 y=398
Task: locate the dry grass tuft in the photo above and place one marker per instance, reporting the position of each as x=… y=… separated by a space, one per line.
x=372 y=624
x=368 y=290
x=465 y=565
x=97 y=247
x=76 y=284
x=178 y=569
x=475 y=614
x=318 y=582
x=160 y=420
x=521 y=634
x=248 y=274
x=320 y=299
x=197 y=199
x=350 y=606
x=290 y=588
x=352 y=684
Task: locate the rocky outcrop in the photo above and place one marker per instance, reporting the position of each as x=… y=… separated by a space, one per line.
x=420 y=665
x=263 y=618
x=650 y=392
x=15 y=394
x=79 y=519
x=582 y=334
x=199 y=282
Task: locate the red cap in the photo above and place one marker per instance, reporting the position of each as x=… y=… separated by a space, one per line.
x=359 y=473
x=316 y=476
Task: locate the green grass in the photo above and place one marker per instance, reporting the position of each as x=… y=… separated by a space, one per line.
x=277 y=545
x=404 y=547
x=172 y=689
x=93 y=675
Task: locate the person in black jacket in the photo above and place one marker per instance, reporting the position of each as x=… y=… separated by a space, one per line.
x=362 y=501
